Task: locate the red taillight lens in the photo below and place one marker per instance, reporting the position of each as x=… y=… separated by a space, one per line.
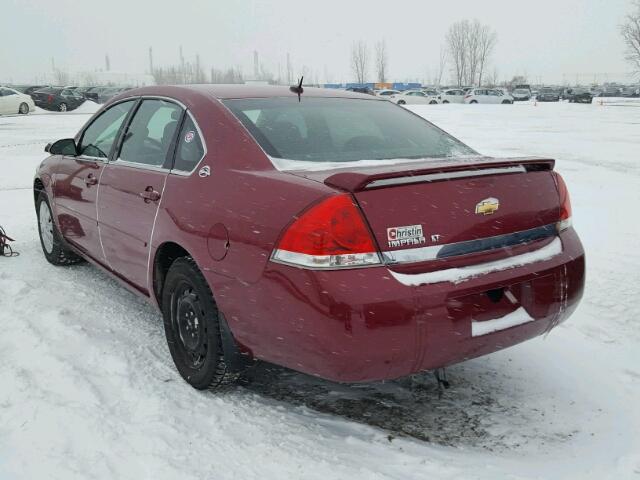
x=328 y=235
x=50 y=99
x=565 y=203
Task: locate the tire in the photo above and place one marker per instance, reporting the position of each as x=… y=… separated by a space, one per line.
x=506 y=102
x=62 y=107
x=51 y=241
x=433 y=102
x=445 y=101
x=23 y=109
x=401 y=102
x=473 y=101
x=192 y=327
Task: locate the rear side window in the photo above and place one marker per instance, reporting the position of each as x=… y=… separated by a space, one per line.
x=317 y=130
x=151 y=132
x=99 y=137
x=190 y=147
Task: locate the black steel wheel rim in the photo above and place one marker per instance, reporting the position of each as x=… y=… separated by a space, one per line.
x=189 y=325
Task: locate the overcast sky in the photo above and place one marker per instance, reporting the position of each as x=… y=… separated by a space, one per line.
x=548 y=40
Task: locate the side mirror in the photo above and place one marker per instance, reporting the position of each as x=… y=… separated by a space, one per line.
x=66 y=146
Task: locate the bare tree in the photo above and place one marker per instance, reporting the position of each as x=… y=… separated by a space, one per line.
x=61 y=77
x=487 y=41
x=443 y=64
x=381 y=61
x=630 y=31
x=360 y=61
x=470 y=45
x=456 y=39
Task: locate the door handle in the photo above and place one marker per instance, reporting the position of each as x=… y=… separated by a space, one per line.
x=150 y=195
x=91 y=180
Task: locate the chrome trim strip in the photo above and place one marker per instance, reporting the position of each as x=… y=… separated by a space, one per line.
x=141 y=166
x=323 y=262
x=457 y=249
x=433 y=177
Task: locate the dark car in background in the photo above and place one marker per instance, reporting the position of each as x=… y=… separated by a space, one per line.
x=579 y=95
x=60 y=99
x=548 y=95
x=28 y=89
x=108 y=93
x=366 y=90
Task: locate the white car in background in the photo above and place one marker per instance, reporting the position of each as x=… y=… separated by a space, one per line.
x=521 y=94
x=387 y=93
x=487 y=95
x=453 y=95
x=12 y=102
x=414 y=97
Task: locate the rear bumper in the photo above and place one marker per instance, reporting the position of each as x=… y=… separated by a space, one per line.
x=365 y=325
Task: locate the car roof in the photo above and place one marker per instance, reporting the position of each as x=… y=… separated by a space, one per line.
x=223 y=92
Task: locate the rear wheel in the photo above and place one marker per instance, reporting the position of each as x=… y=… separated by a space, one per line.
x=53 y=247
x=445 y=101
x=506 y=102
x=23 y=109
x=433 y=102
x=473 y=101
x=62 y=107
x=401 y=102
x=192 y=327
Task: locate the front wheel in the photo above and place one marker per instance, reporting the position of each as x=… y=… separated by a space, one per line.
x=23 y=109
x=53 y=247
x=433 y=102
x=506 y=102
x=62 y=107
x=473 y=101
x=401 y=102
x=192 y=327
x=445 y=101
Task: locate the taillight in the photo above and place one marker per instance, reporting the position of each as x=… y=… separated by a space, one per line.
x=467 y=96
x=331 y=234
x=50 y=99
x=565 y=203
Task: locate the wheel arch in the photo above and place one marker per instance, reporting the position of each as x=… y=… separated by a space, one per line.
x=237 y=359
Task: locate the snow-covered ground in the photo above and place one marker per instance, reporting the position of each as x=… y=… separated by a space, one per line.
x=88 y=390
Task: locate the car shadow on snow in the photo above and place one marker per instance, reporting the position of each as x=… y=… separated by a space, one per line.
x=475 y=411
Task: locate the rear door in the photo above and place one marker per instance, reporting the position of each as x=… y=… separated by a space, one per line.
x=76 y=182
x=132 y=185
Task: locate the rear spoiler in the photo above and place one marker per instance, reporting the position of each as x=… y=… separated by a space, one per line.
x=355 y=181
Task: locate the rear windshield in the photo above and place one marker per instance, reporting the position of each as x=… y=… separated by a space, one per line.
x=322 y=130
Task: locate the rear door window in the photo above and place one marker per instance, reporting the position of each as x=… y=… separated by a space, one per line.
x=151 y=133
x=100 y=136
x=190 y=149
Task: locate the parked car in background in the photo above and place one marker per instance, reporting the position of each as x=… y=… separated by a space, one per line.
x=414 y=97
x=579 y=95
x=521 y=94
x=454 y=95
x=57 y=99
x=108 y=93
x=487 y=95
x=12 y=101
x=547 y=94
x=365 y=90
x=27 y=89
x=92 y=93
x=305 y=257
x=610 y=92
x=387 y=92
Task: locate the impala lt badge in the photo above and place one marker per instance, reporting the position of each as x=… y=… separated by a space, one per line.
x=488 y=206
x=404 y=236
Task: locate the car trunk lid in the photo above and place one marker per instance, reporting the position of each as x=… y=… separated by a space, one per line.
x=452 y=210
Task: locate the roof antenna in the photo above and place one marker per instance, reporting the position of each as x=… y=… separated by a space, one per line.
x=298 y=89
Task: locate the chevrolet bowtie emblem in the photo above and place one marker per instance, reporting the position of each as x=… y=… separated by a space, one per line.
x=488 y=206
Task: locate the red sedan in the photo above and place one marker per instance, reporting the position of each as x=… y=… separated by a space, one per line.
x=329 y=232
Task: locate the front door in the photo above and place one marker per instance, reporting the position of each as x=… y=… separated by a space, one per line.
x=76 y=182
x=131 y=189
